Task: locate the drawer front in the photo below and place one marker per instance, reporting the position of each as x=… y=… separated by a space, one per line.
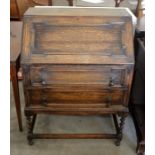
x=48 y=97
x=49 y=75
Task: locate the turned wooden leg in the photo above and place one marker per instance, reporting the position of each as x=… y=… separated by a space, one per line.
x=120 y=129
x=29 y=122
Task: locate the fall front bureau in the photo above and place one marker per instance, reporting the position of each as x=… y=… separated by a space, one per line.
x=77 y=61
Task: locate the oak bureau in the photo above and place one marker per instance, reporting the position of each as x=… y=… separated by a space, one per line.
x=77 y=61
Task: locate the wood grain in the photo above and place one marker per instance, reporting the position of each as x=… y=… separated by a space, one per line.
x=77 y=62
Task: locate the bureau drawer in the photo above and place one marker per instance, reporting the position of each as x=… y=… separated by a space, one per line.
x=107 y=76
x=48 y=97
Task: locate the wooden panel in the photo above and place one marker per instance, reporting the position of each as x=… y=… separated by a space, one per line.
x=77 y=74
x=38 y=109
x=78 y=39
x=49 y=97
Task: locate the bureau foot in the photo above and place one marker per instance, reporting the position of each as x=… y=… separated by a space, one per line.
x=120 y=129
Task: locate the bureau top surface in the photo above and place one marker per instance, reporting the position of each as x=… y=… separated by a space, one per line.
x=77 y=11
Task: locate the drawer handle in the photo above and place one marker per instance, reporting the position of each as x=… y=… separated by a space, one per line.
x=111 y=83
x=44 y=101
x=43 y=82
x=109 y=100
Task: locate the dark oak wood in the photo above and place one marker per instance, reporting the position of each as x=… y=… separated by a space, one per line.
x=17 y=9
x=73 y=136
x=118 y=135
x=15 y=42
x=77 y=62
x=14 y=10
x=120 y=128
x=76 y=111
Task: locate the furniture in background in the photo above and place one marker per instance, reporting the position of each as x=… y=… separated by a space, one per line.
x=117 y=2
x=15 y=42
x=18 y=7
x=85 y=68
x=133 y=5
x=140 y=9
x=40 y=2
x=45 y=2
x=14 y=11
x=101 y=4
x=137 y=97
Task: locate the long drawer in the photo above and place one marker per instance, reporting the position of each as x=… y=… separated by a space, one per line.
x=105 y=75
x=49 y=97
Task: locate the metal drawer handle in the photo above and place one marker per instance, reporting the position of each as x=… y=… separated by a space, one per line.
x=43 y=82
x=111 y=83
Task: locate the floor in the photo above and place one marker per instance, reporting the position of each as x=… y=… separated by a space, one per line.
x=58 y=124
x=66 y=124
